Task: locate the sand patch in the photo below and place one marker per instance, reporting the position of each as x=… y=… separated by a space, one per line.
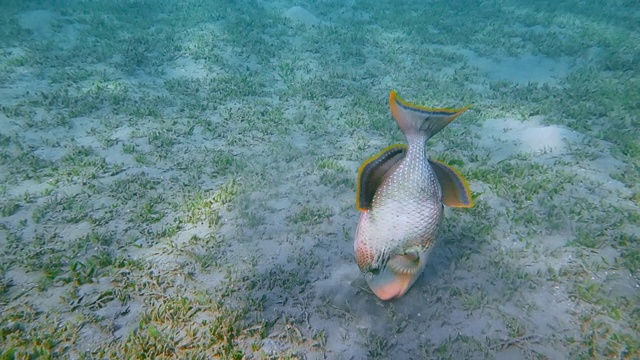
x=507 y=138
x=510 y=136
x=300 y=15
x=47 y=25
x=523 y=70
x=39 y=22
x=186 y=67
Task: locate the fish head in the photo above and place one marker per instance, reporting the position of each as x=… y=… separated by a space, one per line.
x=390 y=276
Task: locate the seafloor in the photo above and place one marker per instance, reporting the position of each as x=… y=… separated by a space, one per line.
x=177 y=178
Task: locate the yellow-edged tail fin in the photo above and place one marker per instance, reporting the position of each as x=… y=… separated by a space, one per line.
x=415 y=119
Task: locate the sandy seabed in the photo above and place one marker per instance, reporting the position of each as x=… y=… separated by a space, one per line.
x=178 y=179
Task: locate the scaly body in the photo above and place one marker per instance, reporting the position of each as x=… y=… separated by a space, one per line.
x=400 y=194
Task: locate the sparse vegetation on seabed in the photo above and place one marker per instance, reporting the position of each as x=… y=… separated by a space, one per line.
x=177 y=179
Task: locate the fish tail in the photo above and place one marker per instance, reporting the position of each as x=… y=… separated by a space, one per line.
x=420 y=120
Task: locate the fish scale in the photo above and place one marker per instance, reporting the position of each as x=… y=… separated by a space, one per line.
x=415 y=218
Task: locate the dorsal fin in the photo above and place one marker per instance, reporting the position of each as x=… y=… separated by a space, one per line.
x=372 y=172
x=455 y=189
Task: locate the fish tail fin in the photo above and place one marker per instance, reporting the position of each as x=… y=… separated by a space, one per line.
x=420 y=120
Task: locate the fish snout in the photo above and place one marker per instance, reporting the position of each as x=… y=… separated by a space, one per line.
x=395 y=278
x=388 y=285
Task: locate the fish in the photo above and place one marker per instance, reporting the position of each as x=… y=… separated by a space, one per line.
x=401 y=194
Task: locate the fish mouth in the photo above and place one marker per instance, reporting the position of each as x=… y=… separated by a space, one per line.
x=388 y=284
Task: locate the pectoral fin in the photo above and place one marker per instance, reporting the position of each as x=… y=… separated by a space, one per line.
x=455 y=189
x=407 y=264
x=372 y=172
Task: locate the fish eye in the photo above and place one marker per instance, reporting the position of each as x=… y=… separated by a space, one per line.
x=374 y=270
